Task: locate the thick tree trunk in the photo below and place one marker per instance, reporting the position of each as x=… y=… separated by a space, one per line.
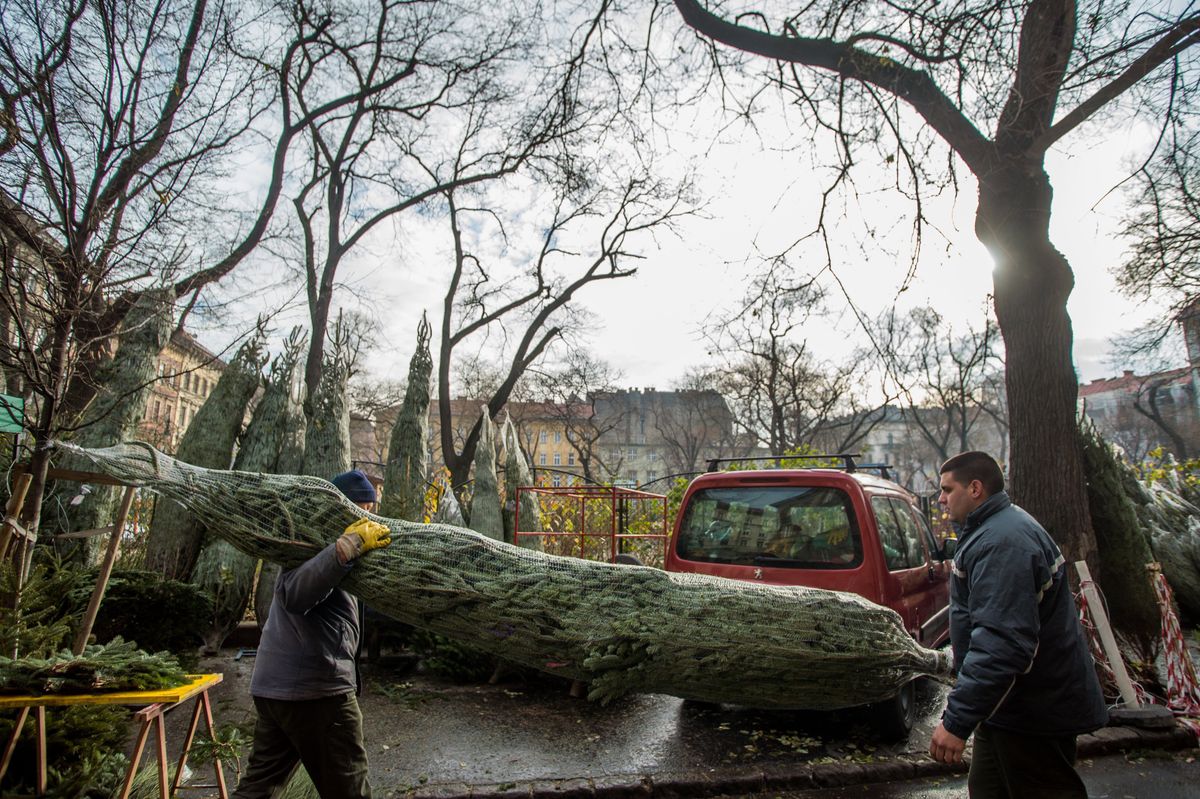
x=1032 y=282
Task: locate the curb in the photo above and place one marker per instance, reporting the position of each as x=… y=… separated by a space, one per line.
x=770 y=777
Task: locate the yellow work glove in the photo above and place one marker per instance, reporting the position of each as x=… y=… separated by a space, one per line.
x=360 y=538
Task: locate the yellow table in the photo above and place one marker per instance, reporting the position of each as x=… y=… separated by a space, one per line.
x=153 y=704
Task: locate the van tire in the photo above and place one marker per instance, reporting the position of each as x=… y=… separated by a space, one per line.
x=893 y=718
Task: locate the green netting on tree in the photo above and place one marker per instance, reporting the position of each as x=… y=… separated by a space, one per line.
x=407 y=471
x=175 y=538
x=123 y=387
x=486 y=517
x=1173 y=523
x=621 y=628
x=517 y=474
x=327 y=438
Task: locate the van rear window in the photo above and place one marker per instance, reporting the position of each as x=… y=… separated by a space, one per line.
x=781 y=526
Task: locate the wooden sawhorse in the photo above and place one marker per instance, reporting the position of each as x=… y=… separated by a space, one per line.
x=152 y=706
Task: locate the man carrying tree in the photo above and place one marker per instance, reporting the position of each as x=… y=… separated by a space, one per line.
x=305 y=673
x=1026 y=679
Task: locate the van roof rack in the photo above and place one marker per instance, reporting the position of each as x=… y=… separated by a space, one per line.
x=847 y=459
x=885 y=470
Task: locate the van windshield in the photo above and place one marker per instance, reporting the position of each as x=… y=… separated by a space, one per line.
x=785 y=526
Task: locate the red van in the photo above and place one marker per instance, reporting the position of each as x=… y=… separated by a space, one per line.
x=840 y=529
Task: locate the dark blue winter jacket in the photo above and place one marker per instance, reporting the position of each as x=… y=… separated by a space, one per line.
x=1022 y=657
x=307 y=648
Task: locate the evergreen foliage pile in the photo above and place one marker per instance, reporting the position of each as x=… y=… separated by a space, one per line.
x=1170 y=511
x=115 y=666
x=156 y=612
x=622 y=629
x=1122 y=544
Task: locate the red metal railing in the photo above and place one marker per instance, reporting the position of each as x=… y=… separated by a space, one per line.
x=598 y=522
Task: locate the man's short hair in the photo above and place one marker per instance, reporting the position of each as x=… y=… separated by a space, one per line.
x=968 y=466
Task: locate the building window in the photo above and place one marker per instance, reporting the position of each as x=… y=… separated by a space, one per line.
x=542 y=458
x=542 y=437
x=557 y=459
x=556 y=481
x=557 y=437
x=570 y=458
x=157 y=410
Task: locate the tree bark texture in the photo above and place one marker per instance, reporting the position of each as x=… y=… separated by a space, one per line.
x=1032 y=281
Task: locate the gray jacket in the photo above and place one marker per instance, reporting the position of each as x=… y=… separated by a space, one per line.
x=1023 y=660
x=307 y=649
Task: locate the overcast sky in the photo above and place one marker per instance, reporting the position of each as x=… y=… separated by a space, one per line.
x=649 y=326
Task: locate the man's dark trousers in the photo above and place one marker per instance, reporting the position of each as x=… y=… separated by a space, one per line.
x=325 y=735
x=1010 y=765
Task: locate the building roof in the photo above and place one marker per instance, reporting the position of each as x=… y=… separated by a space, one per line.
x=1130 y=383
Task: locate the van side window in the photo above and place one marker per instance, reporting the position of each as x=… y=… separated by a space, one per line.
x=897 y=550
x=911 y=532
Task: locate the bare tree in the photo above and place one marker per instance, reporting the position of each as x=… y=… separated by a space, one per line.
x=130 y=116
x=694 y=423
x=569 y=389
x=1164 y=260
x=443 y=109
x=943 y=377
x=861 y=70
x=781 y=393
x=533 y=307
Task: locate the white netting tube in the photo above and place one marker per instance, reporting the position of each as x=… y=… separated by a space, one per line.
x=623 y=629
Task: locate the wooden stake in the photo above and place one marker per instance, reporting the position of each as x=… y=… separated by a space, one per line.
x=106 y=567
x=1100 y=618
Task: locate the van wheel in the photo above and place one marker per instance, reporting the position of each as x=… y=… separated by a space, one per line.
x=894 y=717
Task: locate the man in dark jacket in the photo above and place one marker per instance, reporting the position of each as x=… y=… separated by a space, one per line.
x=1026 y=679
x=305 y=680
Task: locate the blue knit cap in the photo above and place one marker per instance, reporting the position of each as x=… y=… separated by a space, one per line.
x=355 y=485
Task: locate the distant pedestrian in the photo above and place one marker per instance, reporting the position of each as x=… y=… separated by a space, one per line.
x=305 y=671
x=1026 y=683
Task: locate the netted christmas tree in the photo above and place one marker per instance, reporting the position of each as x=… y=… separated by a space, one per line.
x=517 y=474
x=486 y=517
x=1122 y=544
x=175 y=536
x=327 y=437
x=289 y=429
x=1170 y=511
x=225 y=573
x=407 y=472
x=123 y=385
x=621 y=629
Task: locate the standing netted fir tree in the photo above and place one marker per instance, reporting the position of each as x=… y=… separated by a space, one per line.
x=517 y=474
x=1122 y=543
x=327 y=438
x=122 y=386
x=225 y=574
x=407 y=470
x=175 y=535
x=485 y=494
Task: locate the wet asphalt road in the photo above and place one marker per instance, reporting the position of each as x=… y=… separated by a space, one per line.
x=423 y=732
x=440 y=738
